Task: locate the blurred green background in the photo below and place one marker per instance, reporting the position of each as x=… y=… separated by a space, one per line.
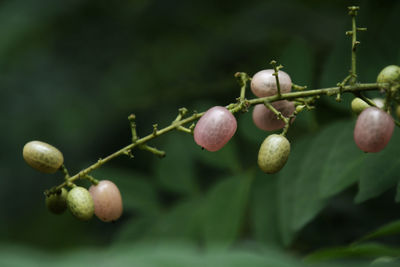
x=71 y=73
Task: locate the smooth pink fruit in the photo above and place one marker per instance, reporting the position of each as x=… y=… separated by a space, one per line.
x=215 y=128
x=107 y=201
x=266 y=120
x=263 y=83
x=373 y=129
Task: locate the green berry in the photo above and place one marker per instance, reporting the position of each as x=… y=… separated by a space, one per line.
x=273 y=153
x=42 y=156
x=57 y=203
x=80 y=203
x=358 y=105
x=390 y=74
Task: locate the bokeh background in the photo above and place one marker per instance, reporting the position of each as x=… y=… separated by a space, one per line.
x=72 y=71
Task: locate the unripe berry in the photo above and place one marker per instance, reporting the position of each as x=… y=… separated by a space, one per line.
x=57 y=203
x=107 y=201
x=80 y=203
x=273 y=153
x=358 y=105
x=42 y=156
x=373 y=129
x=390 y=74
x=215 y=128
x=263 y=83
x=266 y=120
x=379 y=102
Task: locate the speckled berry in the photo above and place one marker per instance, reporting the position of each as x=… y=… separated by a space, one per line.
x=57 y=203
x=266 y=120
x=373 y=130
x=107 y=201
x=273 y=153
x=42 y=156
x=80 y=203
x=263 y=83
x=215 y=128
x=390 y=74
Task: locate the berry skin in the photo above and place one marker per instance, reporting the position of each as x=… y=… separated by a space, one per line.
x=273 y=153
x=379 y=102
x=215 y=128
x=57 y=203
x=107 y=201
x=80 y=203
x=266 y=120
x=390 y=74
x=42 y=156
x=263 y=83
x=373 y=130
x=358 y=105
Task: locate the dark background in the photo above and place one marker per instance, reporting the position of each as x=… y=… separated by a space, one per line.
x=72 y=71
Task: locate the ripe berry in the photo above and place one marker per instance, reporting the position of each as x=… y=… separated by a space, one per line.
x=273 y=153
x=42 y=156
x=358 y=105
x=266 y=120
x=215 y=128
x=107 y=201
x=80 y=203
x=263 y=83
x=57 y=203
x=373 y=129
x=390 y=74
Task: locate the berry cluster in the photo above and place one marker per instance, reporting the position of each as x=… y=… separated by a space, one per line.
x=103 y=198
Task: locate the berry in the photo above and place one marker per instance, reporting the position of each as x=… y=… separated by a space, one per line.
x=266 y=120
x=373 y=129
x=57 y=203
x=390 y=74
x=80 y=203
x=263 y=83
x=215 y=128
x=398 y=111
x=358 y=105
x=107 y=201
x=42 y=156
x=273 y=153
x=379 y=102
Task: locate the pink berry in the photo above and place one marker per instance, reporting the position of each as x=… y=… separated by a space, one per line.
x=266 y=120
x=263 y=83
x=215 y=128
x=107 y=201
x=373 y=129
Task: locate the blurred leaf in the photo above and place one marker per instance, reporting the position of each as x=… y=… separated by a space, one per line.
x=342 y=162
x=175 y=172
x=263 y=209
x=392 y=228
x=248 y=130
x=369 y=250
x=224 y=209
x=137 y=191
x=380 y=171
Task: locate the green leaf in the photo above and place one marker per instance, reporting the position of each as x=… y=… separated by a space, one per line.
x=176 y=172
x=392 y=228
x=224 y=209
x=380 y=171
x=137 y=191
x=369 y=250
x=263 y=209
x=342 y=163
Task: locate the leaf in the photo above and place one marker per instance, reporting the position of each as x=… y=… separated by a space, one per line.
x=176 y=172
x=342 y=161
x=380 y=171
x=224 y=209
x=263 y=209
x=369 y=250
x=392 y=228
